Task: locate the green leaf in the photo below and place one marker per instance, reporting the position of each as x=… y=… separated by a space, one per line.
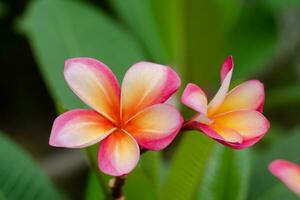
x=93 y=190
x=171 y=27
x=60 y=29
x=187 y=168
x=206 y=26
x=20 y=176
x=262 y=181
x=253 y=42
x=140 y=18
x=284 y=95
x=278 y=5
x=227 y=175
x=3 y=12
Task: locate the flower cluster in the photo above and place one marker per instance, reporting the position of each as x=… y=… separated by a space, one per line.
x=135 y=115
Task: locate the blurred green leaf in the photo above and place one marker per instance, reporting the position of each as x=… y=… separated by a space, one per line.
x=278 y=5
x=285 y=95
x=3 y=12
x=139 y=16
x=151 y=164
x=227 y=175
x=253 y=41
x=60 y=29
x=262 y=181
x=20 y=177
x=93 y=190
x=187 y=167
x=171 y=27
x=204 y=40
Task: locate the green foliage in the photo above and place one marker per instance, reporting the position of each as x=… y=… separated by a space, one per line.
x=3 y=12
x=253 y=42
x=139 y=16
x=204 y=170
x=263 y=184
x=227 y=175
x=63 y=29
x=187 y=167
x=93 y=190
x=284 y=95
x=20 y=177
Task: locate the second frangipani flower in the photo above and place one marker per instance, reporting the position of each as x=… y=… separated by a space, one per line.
x=122 y=118
x=233 y=118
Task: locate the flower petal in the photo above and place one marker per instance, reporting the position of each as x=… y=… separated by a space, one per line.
x=226 y=73
x=146 y=84
x=95 y=84
x=226 y=67
x=248 y=95
x=228 y=134
x=288 y=173
x=118 y=154
x=156 y=126
x=195 y=98
x=248 y=123
x=228 y=137
x=79 y=128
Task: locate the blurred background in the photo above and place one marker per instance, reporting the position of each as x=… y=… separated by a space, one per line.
x=192 y=36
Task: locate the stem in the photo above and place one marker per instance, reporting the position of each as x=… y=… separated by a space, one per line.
x=116 y=185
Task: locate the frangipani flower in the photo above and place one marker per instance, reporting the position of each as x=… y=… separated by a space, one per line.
x=233 y=118
x=288 y=173
x=122 y=118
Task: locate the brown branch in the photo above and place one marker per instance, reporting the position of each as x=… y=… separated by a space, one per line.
x=116 y=185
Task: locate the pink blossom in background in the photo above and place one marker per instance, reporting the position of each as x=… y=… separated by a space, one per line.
x=232 y=118
x=122 y=118
x=288 y=173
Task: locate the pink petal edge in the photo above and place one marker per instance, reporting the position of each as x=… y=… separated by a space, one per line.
x=90 y=134
x=226 y=67
x=288 y=173
x=194 y=97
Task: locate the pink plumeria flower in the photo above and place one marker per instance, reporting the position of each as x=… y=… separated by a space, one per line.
x=232 y=118
x=288 y=173
x=122 y=118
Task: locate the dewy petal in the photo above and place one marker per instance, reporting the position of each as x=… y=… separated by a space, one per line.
x=79 y=128
x=194 y=97
x=95 y=84
x=248 y=123
x=288 y=173
x=146 y=84
x=248 y=95
x=156 y=126
x=118 y=154
x=226 y=73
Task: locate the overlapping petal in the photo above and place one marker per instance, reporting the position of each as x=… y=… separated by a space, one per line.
x=79 y=128
x=95 y=84
x=248 y=123
x=226 y=74
x=288 y=173
x=248 y=95
x=118 y=154
x=146 y=84
x=194 y=97
x=156 y=126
